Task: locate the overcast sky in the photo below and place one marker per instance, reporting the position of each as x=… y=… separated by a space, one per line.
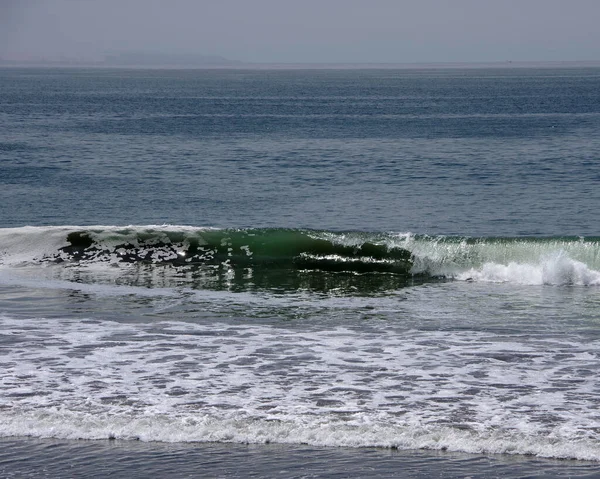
x=396 y=31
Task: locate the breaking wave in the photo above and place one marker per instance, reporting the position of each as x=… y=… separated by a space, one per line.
x=208 y=258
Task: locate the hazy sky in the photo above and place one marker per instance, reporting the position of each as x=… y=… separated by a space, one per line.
x=397 y=31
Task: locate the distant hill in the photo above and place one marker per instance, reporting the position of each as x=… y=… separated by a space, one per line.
x=127 y=59
x=172 y=60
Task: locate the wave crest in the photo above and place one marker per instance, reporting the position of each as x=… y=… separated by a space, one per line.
x=273 y=258
x=557 y=269
x=371 y=432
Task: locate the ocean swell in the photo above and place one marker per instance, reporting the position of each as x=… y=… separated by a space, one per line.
x=292 y=259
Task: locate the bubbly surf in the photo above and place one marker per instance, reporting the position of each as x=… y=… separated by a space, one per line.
x=178 y=382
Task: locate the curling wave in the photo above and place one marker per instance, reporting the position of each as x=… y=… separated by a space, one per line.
x=297 y=258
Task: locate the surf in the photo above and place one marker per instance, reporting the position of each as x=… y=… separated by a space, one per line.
x=292 y=259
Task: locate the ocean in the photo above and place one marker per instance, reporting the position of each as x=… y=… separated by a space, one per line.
x=300 y=273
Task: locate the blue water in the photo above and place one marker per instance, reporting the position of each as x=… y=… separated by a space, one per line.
x=468 y=152
x=382 y=270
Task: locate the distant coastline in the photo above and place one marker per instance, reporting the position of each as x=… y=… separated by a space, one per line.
x=124 y=60
x=417 y=66
x=162 y=61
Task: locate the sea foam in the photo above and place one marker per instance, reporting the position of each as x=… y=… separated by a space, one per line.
x=333 y=386
x=556 y=269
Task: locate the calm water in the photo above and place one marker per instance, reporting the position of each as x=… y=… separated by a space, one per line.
x=300 y=273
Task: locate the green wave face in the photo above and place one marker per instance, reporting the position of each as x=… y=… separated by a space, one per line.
x=243 y=259
x=237 y=248
x=294 y=259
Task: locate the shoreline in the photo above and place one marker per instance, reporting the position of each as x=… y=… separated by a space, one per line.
x=129 y=459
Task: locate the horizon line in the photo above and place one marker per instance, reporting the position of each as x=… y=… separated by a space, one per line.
x=241 y=65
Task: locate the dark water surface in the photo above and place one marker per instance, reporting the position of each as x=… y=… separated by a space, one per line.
x=118 y=459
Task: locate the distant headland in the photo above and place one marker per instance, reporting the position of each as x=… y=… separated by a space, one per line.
x=126 y=59
x=153 y=60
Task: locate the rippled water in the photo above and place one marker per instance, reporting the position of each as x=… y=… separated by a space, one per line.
x=126 y=459
x=468 y=152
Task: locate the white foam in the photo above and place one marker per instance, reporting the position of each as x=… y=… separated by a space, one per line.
x=555 y=269
x=364 y=432
x=32 y=243
x=457 y=390
x=521 y=261
x=21 y=245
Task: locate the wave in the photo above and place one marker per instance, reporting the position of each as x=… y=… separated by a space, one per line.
x=298 y=258
x=185 y=246
x=370 y=432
